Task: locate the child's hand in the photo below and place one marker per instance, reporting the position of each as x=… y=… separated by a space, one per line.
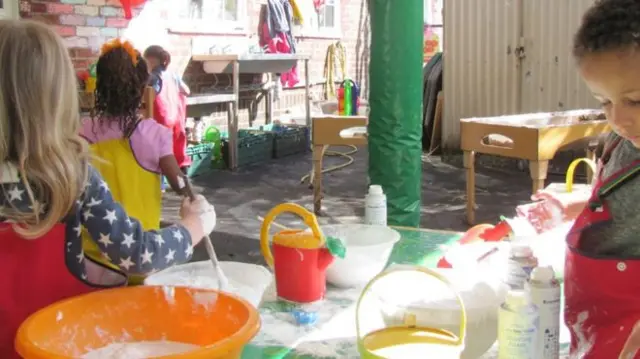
x=570 y=204
x=200 y=211
x=633 y=343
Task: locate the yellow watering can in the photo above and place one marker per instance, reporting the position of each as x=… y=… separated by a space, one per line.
x=298 y=258
x=409 y=340
x=568 y=186
x=572 y=168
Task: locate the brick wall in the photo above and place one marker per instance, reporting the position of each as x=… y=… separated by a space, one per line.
x=86 y=24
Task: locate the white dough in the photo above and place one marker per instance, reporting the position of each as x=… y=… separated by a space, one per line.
x=139 y=350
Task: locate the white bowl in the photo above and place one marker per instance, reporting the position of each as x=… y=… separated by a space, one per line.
x=435 y=306
x=368 y=250
x=248 y=281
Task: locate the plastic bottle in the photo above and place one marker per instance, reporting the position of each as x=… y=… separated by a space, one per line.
x=544 y=291
x=518 y=322
x=521 y=263
x=375 y=211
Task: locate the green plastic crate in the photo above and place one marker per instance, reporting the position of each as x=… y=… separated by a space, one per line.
x=254 y=147
x=201 y=159
x=288 y=139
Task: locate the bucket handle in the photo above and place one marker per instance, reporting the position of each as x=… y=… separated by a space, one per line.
x=428 y=272
x=572 y=168
x=309 y=219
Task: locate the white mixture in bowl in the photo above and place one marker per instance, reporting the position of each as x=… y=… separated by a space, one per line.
x=140 y=350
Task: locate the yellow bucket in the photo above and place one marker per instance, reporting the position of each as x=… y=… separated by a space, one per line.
x=572 y=169
x=409 y=340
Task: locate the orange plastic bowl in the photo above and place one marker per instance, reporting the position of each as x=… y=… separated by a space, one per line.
x=218 y=322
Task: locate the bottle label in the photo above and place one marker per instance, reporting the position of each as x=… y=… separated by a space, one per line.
x=376 y=215
x=518 y=274
x=548 y=339
x=517 y=334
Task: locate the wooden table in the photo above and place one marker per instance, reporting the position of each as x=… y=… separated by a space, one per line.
x=327 y=130
x=532 y=137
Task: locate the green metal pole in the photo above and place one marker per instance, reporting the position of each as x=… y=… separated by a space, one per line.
x=395 y=100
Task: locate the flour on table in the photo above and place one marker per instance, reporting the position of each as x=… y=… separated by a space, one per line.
x=140 y=350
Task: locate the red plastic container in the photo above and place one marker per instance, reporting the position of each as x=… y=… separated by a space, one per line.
x=298 y=258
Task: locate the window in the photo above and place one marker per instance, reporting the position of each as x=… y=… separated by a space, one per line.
x=208 y=16
x=8 y=9
x=323 y=21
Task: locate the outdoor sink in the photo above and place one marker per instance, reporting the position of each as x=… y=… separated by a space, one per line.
x=248 y=63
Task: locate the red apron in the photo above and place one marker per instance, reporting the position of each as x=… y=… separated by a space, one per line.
x=170 y=110
x=602 y=295
x=35 y=275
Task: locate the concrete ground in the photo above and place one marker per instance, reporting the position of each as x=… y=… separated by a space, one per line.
x=241 y=197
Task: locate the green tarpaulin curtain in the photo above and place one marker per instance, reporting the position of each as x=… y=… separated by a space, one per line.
x=395 y=100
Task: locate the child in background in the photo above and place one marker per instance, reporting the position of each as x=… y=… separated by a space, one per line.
x=49 y=190
x=170 y=106
x=603 y=256
x=132 y=152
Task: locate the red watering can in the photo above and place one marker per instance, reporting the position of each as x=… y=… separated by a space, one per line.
x=297 y=257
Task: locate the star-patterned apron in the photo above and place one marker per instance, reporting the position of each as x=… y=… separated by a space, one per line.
x=602 y=294
x=34 y=275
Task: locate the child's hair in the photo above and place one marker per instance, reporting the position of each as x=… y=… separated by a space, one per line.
x=121 y=78
x=609 y=25
x=160 y=54
x=39 y=124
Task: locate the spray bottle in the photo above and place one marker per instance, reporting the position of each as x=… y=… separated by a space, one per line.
x=518 y=323
x=544 y=291
x=521 y=263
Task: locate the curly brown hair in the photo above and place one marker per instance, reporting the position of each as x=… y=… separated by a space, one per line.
x=609 y=25
x=120 y=85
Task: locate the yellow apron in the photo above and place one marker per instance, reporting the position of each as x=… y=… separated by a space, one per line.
x=135 y=188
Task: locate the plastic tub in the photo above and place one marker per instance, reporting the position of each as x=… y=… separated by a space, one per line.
x=434 y=306
x=368 y=250
x=220 y=323
x=248 y=281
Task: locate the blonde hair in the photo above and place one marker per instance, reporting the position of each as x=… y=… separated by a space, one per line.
x=39 y=124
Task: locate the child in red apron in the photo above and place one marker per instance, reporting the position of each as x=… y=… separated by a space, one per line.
x=602 y=273
x=49 y=191
x=170 y=105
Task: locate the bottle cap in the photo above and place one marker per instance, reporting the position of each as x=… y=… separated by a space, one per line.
x=521 y=251
x=303 y=317
x=375 y=189
x=543 y=274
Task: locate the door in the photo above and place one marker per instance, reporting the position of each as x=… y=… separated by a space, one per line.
x=549 y=79
x=8 y=9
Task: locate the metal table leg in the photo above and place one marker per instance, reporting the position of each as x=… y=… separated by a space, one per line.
x=233 y=125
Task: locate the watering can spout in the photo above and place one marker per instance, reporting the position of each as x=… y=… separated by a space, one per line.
x=325 y=258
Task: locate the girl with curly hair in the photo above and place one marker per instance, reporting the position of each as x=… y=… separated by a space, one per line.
x=49 y=190
x=132 y=152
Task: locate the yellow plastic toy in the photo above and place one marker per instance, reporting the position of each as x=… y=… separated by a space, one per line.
x=220 y=323
x=572 y=168
x=410 y=340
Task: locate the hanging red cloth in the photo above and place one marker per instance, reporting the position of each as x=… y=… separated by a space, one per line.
x=128 y=4
x=318 y=4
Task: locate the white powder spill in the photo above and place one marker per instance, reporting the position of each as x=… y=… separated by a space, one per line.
x=247 y=281
x=540 y=120
x=140 y=350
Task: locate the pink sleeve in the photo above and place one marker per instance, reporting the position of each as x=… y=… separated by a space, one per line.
x=150 y=142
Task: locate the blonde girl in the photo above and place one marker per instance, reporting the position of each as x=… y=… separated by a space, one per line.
x=49 y=191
